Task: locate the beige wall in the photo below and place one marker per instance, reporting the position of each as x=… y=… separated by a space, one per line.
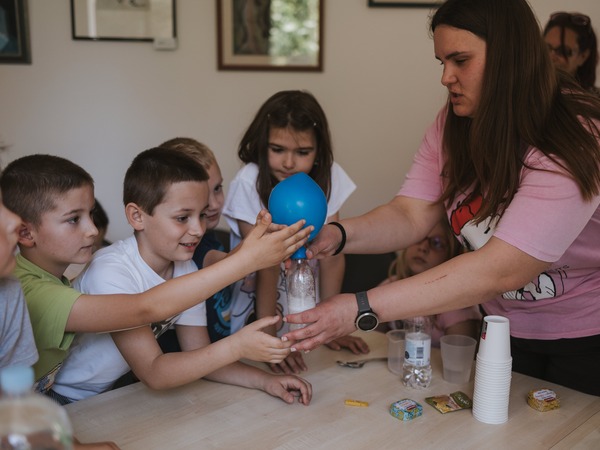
x=100 y=103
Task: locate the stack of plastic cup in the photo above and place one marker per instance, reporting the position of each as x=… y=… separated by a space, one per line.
x=493 y=371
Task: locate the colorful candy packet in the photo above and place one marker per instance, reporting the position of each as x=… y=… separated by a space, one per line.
x=452 y=402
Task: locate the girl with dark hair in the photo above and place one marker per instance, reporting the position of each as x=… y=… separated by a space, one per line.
x=288 y=135
x=512 y=161
x=573 y=47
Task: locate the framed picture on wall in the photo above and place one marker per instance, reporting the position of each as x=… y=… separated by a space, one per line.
x=406 y=4
x=14 y=32
x=123 y=20
x=270 y=35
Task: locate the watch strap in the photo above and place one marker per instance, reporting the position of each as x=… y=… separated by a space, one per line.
x=363 y=302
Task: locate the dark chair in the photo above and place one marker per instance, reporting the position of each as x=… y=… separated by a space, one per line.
x=223 y=237
x=364 y=272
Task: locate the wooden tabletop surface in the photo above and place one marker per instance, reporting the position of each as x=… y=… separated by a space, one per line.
x=211 y=415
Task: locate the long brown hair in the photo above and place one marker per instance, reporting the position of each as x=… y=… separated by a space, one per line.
x=524 y=102
x=300 y=111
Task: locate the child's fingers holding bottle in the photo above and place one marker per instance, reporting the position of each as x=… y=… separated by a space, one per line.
x=256 y=345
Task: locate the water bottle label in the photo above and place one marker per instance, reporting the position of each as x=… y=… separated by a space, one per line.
x=418 y=351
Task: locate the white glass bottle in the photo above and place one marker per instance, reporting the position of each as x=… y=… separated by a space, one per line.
x=416 y=371
x=30 y=421
x=301 y=291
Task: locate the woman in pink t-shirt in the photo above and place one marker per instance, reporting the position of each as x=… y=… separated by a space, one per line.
x=513 y=162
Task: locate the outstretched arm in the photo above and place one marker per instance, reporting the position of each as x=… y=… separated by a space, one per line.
x=398 y=224
x=466 y=280
x=260 y=249
x=199 y=357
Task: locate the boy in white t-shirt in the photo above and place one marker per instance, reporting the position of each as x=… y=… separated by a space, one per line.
x=165 y=197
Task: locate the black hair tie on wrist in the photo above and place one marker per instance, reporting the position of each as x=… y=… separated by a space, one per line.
x=343 y=242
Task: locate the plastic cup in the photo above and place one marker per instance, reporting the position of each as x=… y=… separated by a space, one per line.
x=395 y=351
x=494 y=344
x=491 y=392
x=458 y=353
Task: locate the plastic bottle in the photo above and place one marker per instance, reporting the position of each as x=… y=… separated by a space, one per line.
x=301 y=291
x=30 y=421
x=416 y=371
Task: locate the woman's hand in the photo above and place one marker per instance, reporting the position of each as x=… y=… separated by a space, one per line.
x=325 y=243
x=329 y=320
x=355 y=344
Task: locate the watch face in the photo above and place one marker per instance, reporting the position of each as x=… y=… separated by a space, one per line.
x=367 y=321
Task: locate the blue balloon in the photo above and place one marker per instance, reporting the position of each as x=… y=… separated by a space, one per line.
x=295 y=198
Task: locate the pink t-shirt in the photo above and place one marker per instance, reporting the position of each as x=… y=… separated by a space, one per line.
x=547 y=219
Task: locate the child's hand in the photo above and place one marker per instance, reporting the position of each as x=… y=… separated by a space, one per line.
x=267 y=248
x=253 y=343
x=355 y=344
x=292 y=364
x=288 y=387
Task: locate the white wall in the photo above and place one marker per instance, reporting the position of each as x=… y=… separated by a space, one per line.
x=101 y=103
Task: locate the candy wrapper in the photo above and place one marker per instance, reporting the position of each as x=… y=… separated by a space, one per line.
x=543 y=400
x=406 y=409
x=448 y=403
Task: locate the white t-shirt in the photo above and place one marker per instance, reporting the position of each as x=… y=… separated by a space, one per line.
x=16 y=336
x=94 y=362
x=243 y=203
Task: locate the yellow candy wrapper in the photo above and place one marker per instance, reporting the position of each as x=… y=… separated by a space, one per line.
x=448 y=403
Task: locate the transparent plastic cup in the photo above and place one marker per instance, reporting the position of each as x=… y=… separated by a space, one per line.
x=458 y=353
x=395 y=340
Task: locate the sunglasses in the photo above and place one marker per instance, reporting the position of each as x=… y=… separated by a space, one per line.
x=577 y=19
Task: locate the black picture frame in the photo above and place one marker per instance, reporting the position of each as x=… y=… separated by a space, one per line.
x=14 y=32
x=261 y=58
x=407 y=4
x=122 y=29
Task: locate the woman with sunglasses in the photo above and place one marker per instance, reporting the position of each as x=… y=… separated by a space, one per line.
x=439 y=246
x=573 y=47
x=512 y=161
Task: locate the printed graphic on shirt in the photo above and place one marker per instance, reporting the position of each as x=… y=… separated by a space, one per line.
x=247 y=297
x=218 y=314
x=548 y=284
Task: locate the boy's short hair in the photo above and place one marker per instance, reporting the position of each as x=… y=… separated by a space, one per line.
x=153 y=171
x=99 y=216
x=193 y=148
x=31 y=184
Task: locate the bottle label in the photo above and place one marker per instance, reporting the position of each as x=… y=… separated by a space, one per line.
x=418 y=349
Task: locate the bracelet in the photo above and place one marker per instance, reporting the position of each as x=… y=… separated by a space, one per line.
x=343 y=242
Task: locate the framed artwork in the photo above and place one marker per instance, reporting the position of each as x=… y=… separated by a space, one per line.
x=407 y=4
x=14 y=32
x=123 y=20
x=270 y=35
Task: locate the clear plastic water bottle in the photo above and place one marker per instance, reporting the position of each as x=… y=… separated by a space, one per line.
x=30 y=421
x=416 y=371
x=301 y=290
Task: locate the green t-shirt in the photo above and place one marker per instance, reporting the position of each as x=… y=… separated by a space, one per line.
x=49 y=301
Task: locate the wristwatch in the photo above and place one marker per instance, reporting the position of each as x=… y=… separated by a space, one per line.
x=366 y=320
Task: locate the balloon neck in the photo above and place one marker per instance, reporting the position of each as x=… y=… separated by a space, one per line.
x=300 y=253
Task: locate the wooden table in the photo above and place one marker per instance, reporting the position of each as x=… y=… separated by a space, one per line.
x=211 y=415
